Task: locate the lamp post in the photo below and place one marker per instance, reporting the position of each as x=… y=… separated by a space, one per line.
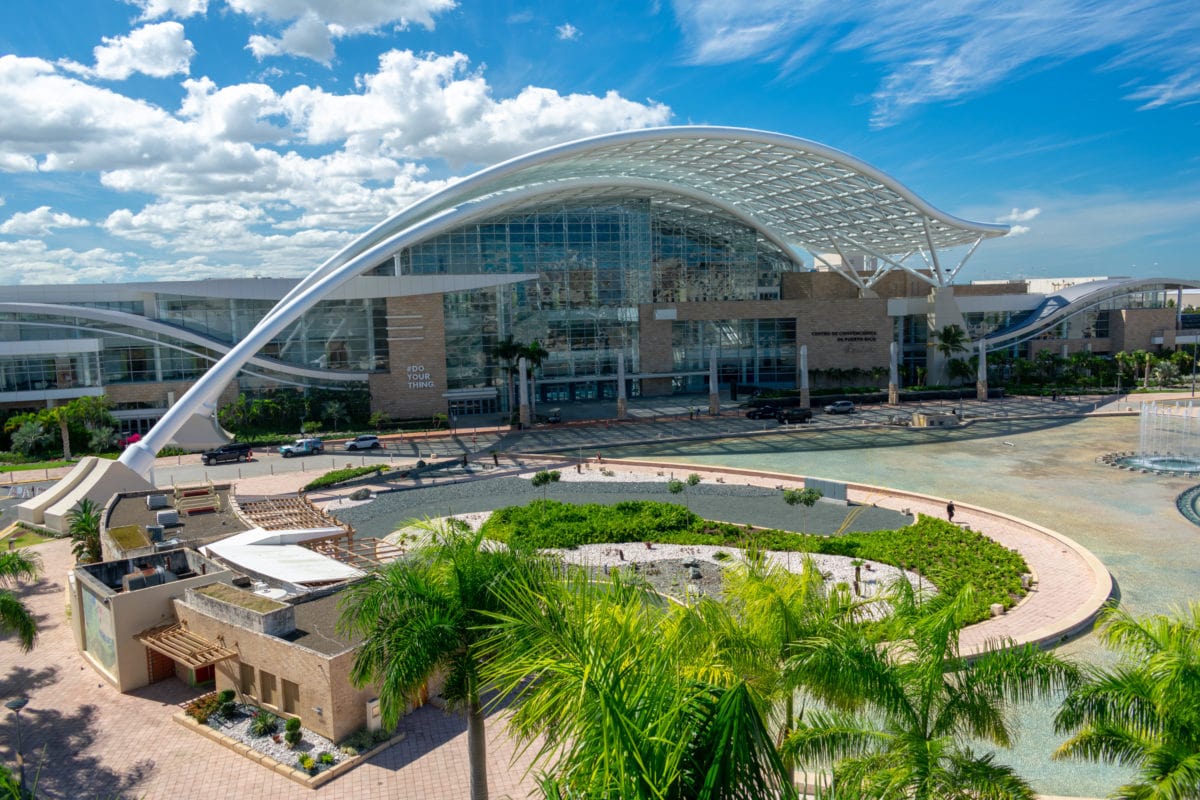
x=15 y=705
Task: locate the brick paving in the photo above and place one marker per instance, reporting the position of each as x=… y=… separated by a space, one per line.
x=101 y=744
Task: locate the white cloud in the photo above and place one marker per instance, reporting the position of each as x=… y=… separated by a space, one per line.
x=153 y=9
x=945 y=50
x=1096 y=234
x=1017 y=215
x=433 y=106
x=357 y=16
x=159 y=50
x=567 y=32
x=241 y=177
x=308 y=37
x=39 y=222
x=31 y=262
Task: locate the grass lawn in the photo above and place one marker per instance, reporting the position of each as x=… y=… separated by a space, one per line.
x=26 y=539
x=35 y=465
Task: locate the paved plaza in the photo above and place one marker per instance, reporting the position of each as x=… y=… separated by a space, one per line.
x=1034 y=461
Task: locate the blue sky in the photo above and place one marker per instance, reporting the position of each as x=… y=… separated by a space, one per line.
x=162 y=139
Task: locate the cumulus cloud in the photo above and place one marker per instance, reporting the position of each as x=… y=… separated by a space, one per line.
x=307 y=37
x=243 y=177
x=945 y=50
x=39 y=222
x=158 y=50
x=567 y=32
x=435 y=106
x=154 y=9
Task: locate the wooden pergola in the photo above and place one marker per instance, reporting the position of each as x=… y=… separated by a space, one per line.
x=179 y=644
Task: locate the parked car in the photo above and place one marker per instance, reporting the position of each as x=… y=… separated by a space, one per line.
x=763 y=412
x=840 y=407
x=302 y=447
x=234 y=451
x=794 y=415
x=367 y=441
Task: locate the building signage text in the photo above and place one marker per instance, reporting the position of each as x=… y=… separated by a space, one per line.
x=419 y=377
x=850 y=336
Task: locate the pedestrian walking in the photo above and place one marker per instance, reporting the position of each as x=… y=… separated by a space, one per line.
x=950 y=511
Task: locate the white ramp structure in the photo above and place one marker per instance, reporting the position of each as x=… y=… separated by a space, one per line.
x=799 y=195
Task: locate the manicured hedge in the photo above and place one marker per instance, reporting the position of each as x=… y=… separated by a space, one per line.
x=340 y=476
x=949 y=556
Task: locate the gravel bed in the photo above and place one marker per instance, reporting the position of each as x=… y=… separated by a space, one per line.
x=728 y=502
x=312 y=743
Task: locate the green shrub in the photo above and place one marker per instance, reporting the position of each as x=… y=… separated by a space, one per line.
x=341 y=475
x=947 y=555
x=171 y=450
x=292 y=733
x=360 y=741
x=327 y=758
x=225 y=695
x=264 y=723
x=307 y=763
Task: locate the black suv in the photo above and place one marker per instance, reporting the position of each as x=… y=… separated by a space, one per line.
x=234 y=451
x=763 y=412
x=794 y=415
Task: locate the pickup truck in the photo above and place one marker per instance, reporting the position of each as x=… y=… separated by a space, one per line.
x=302 y=447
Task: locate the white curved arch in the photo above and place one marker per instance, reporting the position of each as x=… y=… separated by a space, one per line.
x=1075 y=299
x=777 y=184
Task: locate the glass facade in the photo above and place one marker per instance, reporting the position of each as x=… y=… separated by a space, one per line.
x=595 y=265
x=335 y=334
x=759 y=352
x=51 y=371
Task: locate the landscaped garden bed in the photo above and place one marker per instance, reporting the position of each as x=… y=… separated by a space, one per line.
x=311 y=756
x=949 y=556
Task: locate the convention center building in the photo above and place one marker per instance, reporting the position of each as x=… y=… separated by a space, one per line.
x=641 y=253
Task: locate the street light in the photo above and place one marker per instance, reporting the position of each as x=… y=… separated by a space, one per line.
x=15 y=705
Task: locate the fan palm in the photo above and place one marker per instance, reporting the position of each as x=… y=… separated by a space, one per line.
x=15 y=618
x=897 y=713
x=605 y=680
x=1145 y=712
x=425 y=614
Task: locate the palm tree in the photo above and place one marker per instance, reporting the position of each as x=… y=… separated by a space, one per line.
x=771 y=607
x=15 y=618
x=622 y=702
x=334 y=411
x=423 y=615
x=83 y=526
x=29 y=437
x=898 y=713
x=1142 y=712
x=535 y=354
x=951 y=340
x=507 y=352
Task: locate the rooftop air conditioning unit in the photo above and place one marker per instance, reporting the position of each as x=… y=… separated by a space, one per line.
x=155 y=532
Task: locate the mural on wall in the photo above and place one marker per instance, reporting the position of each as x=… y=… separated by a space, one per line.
x=98 y=631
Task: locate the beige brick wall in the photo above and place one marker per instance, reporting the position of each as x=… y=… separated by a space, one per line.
x=156 y=393
x=416 y=377
x=1133 y=328
x=323 y=681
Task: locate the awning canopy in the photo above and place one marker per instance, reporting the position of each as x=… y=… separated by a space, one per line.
x=180 y=644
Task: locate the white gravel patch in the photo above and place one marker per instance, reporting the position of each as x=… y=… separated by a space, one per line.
x=600 y=473
x=312 y=743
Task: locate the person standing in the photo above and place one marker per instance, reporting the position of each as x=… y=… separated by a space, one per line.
x=950 y=511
